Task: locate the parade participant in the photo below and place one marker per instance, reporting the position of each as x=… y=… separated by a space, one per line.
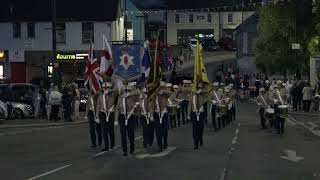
x=174 y=101
x=233 y=102
x=227 y=101
x=129 y=101
x=55 y=99
x=221 y=115
x=94 y=123
x=184 y=95
x=280 y=107
x=161 y=115
x=146 y=118
x=214 y=102
x=263 y=105
x=197 y=115
x=106 y=107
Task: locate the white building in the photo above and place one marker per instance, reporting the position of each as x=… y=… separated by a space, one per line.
x=182 y=25
x=26 y=36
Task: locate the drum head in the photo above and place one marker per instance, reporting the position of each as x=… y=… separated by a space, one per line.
x=283 y=107
x=270 y=111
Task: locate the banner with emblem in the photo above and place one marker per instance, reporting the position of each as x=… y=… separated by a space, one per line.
x=127 y=60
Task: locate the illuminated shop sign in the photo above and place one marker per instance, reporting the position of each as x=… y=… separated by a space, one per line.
x=70 y=56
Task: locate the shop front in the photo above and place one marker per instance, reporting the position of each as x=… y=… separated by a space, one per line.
x=41 y=65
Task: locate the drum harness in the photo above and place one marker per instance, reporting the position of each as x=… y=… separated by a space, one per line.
x=107 y=112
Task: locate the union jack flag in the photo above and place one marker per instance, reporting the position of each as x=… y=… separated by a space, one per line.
x=92 y=74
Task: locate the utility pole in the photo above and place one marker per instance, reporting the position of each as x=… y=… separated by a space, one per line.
x=54 y=22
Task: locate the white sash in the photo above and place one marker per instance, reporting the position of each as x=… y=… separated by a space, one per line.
x=94 y=112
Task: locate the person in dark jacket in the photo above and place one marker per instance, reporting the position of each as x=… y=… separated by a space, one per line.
x=66 y=101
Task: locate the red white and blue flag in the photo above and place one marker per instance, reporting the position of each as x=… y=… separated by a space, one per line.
x=145 y=65
x=106 y=61
x=92 y=73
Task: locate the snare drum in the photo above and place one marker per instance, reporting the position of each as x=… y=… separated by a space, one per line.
x=222 y=109
x=172 y=109
x=270 y=113
x=284 y=111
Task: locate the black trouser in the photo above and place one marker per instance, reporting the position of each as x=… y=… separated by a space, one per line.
x=147 y=131
x=213 y=116
x=281 y=125
x=234 y=111
x=306 y=105
x=178 y=117
x=94 y=128
x=197 y=129
x=107 y=129
x=205 y=112
x=262 y=117
x=127 y=131
x=228 y=116
x=295 y=103
x=184 y=111
x=161 y=130
x=54 y=112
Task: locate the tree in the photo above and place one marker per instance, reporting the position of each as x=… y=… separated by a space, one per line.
x=282 y=24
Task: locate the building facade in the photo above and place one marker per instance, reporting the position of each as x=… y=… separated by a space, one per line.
x=183 y=25
x=27 y=42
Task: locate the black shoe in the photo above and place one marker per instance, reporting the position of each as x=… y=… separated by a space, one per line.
x=165 y=146
x=196 y=147
x=105 y=149
x=160 y=150
x=145 y=146
x=112 y=147
x=125 y=154
x=93 y=146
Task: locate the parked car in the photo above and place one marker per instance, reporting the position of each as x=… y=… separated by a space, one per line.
x=84 y=95
x=228 y=44
x=210 y=45
x=19 y=97
x=3 y=111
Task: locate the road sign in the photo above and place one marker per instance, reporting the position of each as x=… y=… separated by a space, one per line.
x=296 y=46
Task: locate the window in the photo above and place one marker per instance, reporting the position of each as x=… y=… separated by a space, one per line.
x=190 y=18
x=177 y=18
x=87 y=32
x=16 y=30
x=209 y=18
x=61 y=33
x=230 y=18
x=31 y=30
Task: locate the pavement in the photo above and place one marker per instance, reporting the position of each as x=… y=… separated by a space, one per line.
x=241 y=151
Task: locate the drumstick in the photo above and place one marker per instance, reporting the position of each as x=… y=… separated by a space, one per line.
x=280 y=96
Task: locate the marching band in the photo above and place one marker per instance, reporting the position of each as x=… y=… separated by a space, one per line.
x=169 y=107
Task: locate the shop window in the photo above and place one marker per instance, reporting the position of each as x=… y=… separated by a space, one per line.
x=31 y=30
x=177 y=18
x=209 y=18
x=87 y=32
x=1 y=72
x=61 y=33
x=16 y=30
x=230 y=17
x=190 y=18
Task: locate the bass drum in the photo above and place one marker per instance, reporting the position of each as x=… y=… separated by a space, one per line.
x=172 y=109
x=284 y=111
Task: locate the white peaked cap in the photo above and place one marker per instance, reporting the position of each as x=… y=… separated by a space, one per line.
x=168 y=85
x=175 y=86
x=162 y=83
x=132 y=83
x=185 y=81
x=216 y=84
x=107 y=84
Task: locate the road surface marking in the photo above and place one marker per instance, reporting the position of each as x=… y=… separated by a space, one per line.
x=50 y=172
x=29 y=131
x=291 y=155
x=158 y=155
x=290 y=122
x=315 y=132
x=116 y=147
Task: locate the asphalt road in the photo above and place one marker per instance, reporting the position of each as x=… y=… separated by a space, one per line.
x=241 y=151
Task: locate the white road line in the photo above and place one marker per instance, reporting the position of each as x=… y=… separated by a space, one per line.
x=315 y=132
x=116 y=147
x=237 y=131
x=290 y=122
x=158 y=155
x=29 y=131
x=234 y=140
x=49 y=172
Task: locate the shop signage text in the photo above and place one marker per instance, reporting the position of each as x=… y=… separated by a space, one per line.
x=70 y=56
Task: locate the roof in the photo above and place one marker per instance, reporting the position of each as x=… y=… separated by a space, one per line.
x=66 y=10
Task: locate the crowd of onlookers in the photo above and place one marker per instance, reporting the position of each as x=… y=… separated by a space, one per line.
x=57 y=102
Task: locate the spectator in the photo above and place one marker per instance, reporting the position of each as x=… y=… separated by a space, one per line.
x=66 y=101
x=76 y=103
x=307 y=97
x=36 y=102
x=55 y=102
